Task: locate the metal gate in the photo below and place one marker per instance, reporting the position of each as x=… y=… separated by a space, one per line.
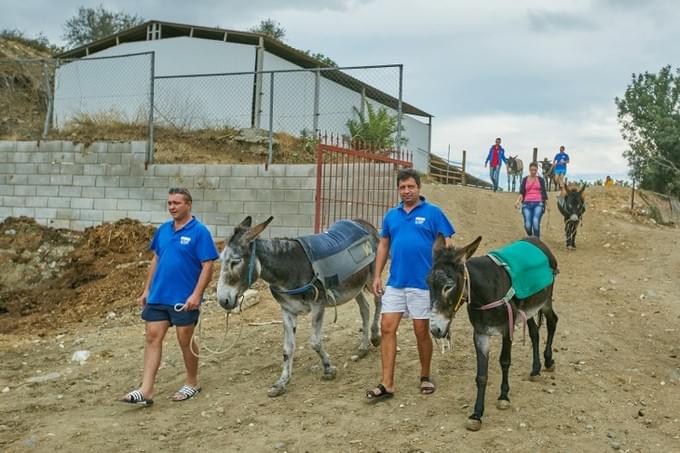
x=355 y=183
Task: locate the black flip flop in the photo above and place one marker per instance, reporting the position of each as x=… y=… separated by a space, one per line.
x=427 y=390
x=374 y=397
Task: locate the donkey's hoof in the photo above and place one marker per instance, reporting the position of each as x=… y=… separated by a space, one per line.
x=550 y=368
x=375 y=341
x=361 y=352
x=276 y=391
x=473 y=425
x=503 y=405
x=534 y=377
x=330 y=374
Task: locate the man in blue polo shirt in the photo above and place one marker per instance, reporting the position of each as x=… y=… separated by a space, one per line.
x=180 y=270
x=560 y=166
x=407 y=235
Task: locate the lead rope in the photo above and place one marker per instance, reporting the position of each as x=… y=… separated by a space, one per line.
x=199 y=324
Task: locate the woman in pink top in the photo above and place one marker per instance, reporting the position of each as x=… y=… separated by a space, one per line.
x=533 y=196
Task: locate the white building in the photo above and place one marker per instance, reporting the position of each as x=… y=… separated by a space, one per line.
x=237 y=92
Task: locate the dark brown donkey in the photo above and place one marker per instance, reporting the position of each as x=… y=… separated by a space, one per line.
x=456 y=278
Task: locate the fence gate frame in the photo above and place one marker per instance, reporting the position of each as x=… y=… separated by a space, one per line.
x=355 y=183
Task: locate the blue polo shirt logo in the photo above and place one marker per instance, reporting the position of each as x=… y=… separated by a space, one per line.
x=420 y=220
x=184 y=240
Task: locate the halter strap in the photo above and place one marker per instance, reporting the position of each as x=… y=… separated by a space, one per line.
x=466 y=286
x=251 y=263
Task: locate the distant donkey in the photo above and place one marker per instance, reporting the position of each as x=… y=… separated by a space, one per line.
x=515 y=171
x=548 y=175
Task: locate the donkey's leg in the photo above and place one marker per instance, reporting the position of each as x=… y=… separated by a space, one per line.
x=506 y=351
x=289 y=328
x=474 y=422
x=375 y=326
x=551 y=322
x=536 y=358
x=365 y=319
x=318 y=307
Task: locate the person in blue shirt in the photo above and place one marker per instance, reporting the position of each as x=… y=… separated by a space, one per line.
x=560 y=166
x=494 y=159
x=408 y=233
x=180 y=270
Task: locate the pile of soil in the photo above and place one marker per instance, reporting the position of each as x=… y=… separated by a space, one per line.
x=55 y=277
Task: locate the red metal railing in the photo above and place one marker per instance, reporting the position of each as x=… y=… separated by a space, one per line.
x=355 y=180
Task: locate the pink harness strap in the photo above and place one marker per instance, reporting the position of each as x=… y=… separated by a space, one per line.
x=511 y=317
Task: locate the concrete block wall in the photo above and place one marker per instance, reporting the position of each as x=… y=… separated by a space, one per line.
x=67 y=185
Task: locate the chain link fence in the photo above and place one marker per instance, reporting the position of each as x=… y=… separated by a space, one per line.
x=272 y=116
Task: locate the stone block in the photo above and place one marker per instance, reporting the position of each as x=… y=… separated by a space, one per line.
x=214 y=218
x=82 y=203
x=107 y=181
x=112 y=216
x=244 y=170
x=25 y=169
x=105 y=204
x=118 y=170
x=152 y=205
x=308 y=171
x=192 y=170
x=138 y=192
x=80 y=180
x=68 y=214
x=4 y=157
x=5 y=211
x=242 y=194
x=87 y=157
x=230 y=207
x=61 y=180
x=216 y=195
x=297 y=220
x=165 y=170
x=67 y=147
x=39 y=158
x=92 y=215
x=118 y=148
x=307 y=208
x=283 y=232
x=307 y=195
x=36 y=180
x=308 y=183
x=24 y=191
x=13 y=201
x=80 y=225
x=49 y=169
x=287 y=183
x=17 y=179
x=6 y=190
x=257 y=207
x=21 y=158
x=56 y=202
x=93 y=192
x=181 y=181
x=51 y=146
x=26 y=212
x=132 y=182
x=137 y=169
x=27 y=146
x=204 y=206
x=94 y=169
x=62 y=157
x=207 y=183
x=138 y=147
x=157 y=181
x=273 y=170
x=96 y=147
x=269 y=195
x=8 y=146
x=284 y=208
x=259 y=183
x=117 y=192
x=71 y=168
x=70 y=191
x=7 y=168
x=46 y=191
x=158 y=217
x=232 y=182
x=218 y=170
x=129 y=205
x=142 y=216
x=45 y=213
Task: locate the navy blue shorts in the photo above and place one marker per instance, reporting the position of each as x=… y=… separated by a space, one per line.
x=160 y=312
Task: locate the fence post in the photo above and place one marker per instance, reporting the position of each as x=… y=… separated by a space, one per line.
x=152 y=83
x=271 y=121
x=399 y=112
x=317 y=86
x=463 y=178
x=257 y=105
x=535 y=157
x=448 y=163
x=50 y=100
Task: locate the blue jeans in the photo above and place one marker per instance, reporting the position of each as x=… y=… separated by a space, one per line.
x=532 y=212
x=494 y=174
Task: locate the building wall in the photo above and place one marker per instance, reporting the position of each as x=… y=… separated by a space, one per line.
x=71 y=186
x=121 y=87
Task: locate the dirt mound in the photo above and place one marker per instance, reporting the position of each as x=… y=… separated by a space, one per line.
x=76 y=276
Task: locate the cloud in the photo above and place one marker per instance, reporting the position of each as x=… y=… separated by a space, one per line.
x=544 y=21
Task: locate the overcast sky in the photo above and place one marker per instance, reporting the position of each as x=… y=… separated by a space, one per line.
x=535 y=73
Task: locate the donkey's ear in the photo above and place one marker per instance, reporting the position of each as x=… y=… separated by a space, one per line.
x=439 y=244
x=255 y=231
x=245 y=224
x=466 y=252
x=583 y=187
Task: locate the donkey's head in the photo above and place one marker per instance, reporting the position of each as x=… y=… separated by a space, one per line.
x=447 y=282
x=574 y=202
x=240 y=267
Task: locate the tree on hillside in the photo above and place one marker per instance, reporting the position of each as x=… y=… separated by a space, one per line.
x=91 y=24
x=376 y=128
x=270 y=28
x=649 y=117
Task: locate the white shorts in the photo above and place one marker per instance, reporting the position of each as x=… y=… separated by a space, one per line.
x=412 y=302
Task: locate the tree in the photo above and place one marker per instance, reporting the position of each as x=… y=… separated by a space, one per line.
x=375 y=128
x=649 y=118
x=91 y=24
x=270 y=28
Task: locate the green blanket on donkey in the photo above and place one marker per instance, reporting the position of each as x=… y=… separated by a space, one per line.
x=527 y=266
